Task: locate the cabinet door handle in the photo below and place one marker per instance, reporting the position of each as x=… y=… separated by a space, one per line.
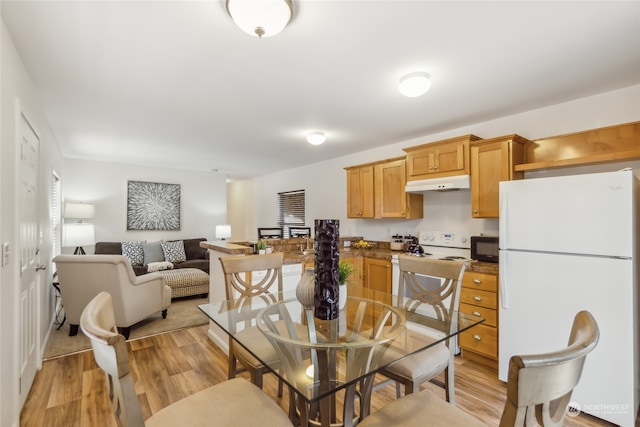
x=476 y=313
x=477 y=281
x=477 y=298
x=475 y=211
x=477 y=337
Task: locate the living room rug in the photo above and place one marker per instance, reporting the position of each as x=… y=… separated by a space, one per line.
x=182 y=313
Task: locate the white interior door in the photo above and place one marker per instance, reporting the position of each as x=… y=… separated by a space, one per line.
x=29 y=313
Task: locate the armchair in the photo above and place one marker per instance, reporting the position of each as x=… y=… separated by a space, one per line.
x=134 y=297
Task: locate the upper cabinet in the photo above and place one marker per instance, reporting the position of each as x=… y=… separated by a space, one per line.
x=437 y=159
x=603 y=145
x=492 y=161
x=391 y=199
x=360 y=189
x=376 y=190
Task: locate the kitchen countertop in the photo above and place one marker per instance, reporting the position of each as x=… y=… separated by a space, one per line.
x=483 y=267
x=296 y=257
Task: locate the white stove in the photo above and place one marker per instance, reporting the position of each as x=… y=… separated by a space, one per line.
x=439 y=245
x=446 y=244
x=443 y=245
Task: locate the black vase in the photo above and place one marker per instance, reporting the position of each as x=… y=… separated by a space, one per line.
x=327 y=258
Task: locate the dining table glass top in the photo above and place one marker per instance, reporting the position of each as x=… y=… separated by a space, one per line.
x=318 y=357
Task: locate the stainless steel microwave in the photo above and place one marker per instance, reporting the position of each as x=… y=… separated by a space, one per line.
x=484 y=248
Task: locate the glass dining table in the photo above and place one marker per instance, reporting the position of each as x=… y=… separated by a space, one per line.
x=328 y=366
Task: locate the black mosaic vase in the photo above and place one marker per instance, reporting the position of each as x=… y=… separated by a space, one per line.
x=327 y=258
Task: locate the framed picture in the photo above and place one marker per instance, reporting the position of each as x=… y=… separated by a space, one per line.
x=153 y=206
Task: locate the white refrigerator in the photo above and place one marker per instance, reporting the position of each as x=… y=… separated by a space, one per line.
x=567 y=244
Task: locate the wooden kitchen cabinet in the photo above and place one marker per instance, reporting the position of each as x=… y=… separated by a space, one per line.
x=492 y=161
x=360 y=192
x=391 y=199
x=479 y=297
x=376 y=190
x=439 y=159
x=377 y=274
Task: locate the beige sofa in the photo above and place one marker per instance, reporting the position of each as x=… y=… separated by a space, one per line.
x=135 y=298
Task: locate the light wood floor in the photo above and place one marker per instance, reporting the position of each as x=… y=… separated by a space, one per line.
x=71 y=390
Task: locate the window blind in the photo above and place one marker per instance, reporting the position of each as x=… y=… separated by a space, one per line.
x=291 y=210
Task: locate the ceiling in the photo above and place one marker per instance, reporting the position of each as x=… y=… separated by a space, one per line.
x=177 y=84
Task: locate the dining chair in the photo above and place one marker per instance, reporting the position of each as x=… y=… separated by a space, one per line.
x=416 y=295
x=234 y=402
x=300 y=231
x=248 y=277
x=539 y=388
x=270 y=232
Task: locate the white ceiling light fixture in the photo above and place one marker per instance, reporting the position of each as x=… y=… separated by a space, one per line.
x=260 y=18
x=415 y=84
x=316 y=138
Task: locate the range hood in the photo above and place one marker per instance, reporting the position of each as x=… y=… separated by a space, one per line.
x=449 y=183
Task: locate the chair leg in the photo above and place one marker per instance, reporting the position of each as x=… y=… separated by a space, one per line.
x=232 y=364
x=73 y=330
x=449 y=385
x=398 y=390
x=164 y=313
x=256 y=378
x=280 y=386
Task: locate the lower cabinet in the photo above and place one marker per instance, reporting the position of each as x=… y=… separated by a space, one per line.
x=377 y=274
x=479 y=297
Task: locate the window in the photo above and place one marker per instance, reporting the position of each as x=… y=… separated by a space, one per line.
x=290 y=210
x=56 y=220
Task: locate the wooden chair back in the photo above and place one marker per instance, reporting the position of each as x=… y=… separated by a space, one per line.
x=440 y=302
x=270 y=233
x=539 y=387
x=110 y=351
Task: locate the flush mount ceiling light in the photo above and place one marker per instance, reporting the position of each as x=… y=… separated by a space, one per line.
x=260 y=18
x=316 y=138
x=414 y=84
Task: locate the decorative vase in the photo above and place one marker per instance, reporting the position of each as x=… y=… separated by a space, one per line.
x=306 y=289
x=262 y=251
x=342 y=296
x=326 y=268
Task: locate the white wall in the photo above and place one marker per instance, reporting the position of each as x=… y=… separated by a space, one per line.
x=253 y=203
x=203 y=199
x=18 y=93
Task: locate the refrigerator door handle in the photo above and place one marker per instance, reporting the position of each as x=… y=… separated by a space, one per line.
x=502 y=275
x=502 y=221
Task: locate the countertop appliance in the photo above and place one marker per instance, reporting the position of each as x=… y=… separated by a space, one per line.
x=485 y=248
x=567 y=244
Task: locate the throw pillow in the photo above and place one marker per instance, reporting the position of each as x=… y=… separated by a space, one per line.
x=152 y=252
x=133 y=251
x=173 y=251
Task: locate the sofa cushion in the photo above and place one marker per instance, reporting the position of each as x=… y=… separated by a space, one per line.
x=152 y=252
x=193 y=250
x=108 y=248
x=173 y=251
x=133 y=251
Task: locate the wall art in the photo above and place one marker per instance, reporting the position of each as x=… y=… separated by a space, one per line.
x=153 y=206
